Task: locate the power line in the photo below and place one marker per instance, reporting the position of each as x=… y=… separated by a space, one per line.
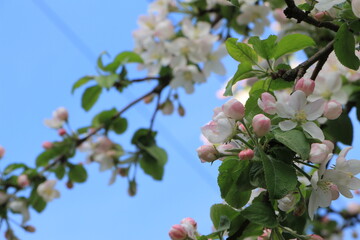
x=91 y=56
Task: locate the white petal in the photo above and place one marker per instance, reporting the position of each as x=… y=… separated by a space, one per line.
x=297 y=101
x=324 y=197
x=340 y=96
x=287 y=125
x=313 y=204
x=313 y=130
x=284 y=111
x=345 y=191
x=354 y=183
x=314 y=110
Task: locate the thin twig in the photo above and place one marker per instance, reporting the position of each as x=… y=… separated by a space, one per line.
x=157 y=107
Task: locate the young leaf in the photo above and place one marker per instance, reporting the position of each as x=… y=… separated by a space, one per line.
x=265 y=48
x=119 y=125
x=292 y=43
x=106 y=81
x=123 y=58
x=234 y=182
x=280 y=177
x=77 y=173
x=261 y=213
x=241 y=51
x=221 y=210
x=81 y=82
x=295 y=140
x=243 y=71
x=344 y=47
x=90 y=97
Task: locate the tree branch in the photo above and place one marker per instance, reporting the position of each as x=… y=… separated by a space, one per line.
x=292 y=11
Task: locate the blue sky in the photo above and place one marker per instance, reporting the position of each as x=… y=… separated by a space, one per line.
x=46 y=46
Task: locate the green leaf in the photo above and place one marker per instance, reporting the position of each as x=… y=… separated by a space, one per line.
x=37 y=202
x=77 y=173
x=90 y=97
x=265 y=48
x=153 y=160
x=13 y=167
x=295 y=140
x=60 y=172
x=143 y=137
x=292 y=43
x=241 y=51
x=280 y=177
x=344 y=47
x=44 y=158
x=81 y=82
x=119 y=125
x=152 y=166
x=107 y=81
x=104 y=118
x=340 y=129
x=241 y=228
x=217 y=211
x=244 y=71
x=123 y=58
x=261 y=213
x=234 y=182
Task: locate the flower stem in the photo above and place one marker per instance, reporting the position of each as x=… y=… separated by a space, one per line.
x=302 y=172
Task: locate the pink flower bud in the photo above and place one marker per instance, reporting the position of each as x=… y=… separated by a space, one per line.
x=319 y=153
x=2 y=151
x=315 y=237
x=306 y=85
x=246 y=154
x=178 y=232
x=167 y=107
x=61 y=131
x=242 y=128
x=320 y=15
x=334 y=192
x=47 y=145
x=234 y=109
x=333 y=110
x=23 y=180
x=189 y=221
x=207 y=153
x=330 y=145
x=353 y=208
x=61 y=113
x=267 y=103
x=261 y=125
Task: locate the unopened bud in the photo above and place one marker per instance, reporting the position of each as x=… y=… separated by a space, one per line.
x=267 y=103
x=181 y=111
x=246 y=154
x=23 y=180
x=330 y=145
x=319 y=153
x=9 y=234
x=320 y=15
x=69 y=184
x=149 y=98
x=207 y=153
x=261 y=125
x=299 y=209
x=62 y=114
x=234 y=109
x=333 y=110
x=30 y=228
x=280 y=16
x=355 y=235
x=306 y=85
x=353 y=208
x=167 y=107
x=189 y=221
x=47 y=145
x=123 y=172
x=2 y=151
x=178 y=232
x=61 y=131
x=315 y=237
x=132 y=188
